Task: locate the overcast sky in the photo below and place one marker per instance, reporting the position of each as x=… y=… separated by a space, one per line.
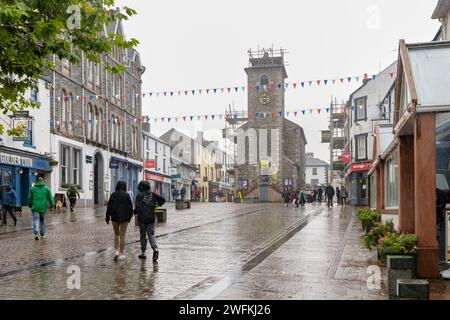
x=203 y=44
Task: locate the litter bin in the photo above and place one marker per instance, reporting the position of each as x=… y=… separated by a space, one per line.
x=161 y=215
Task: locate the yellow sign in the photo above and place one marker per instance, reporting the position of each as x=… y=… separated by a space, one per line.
x=265 y=164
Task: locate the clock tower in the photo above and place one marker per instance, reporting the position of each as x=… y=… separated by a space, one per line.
x=266 y=76
x=270 y=148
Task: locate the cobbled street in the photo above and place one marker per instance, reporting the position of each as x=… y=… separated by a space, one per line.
x=212 y=251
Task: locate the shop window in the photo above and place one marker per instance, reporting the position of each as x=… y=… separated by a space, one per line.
x=443 y=153
x=391 y=181
x=373 y=190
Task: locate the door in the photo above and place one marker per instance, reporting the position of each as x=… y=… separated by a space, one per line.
x=264 y=193
x=24 y=187
x=98 y=180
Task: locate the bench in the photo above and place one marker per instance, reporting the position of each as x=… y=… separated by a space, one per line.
x=182 y=204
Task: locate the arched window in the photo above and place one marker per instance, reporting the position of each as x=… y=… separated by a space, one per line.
x=64 y=106
x=95 y=125
x=133 y=100
x=70 y=111
x=264 y=81
x=100 y=126
x=89 y=122
x=113 y=131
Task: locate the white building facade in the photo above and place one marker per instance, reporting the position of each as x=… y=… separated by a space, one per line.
x=317 y=171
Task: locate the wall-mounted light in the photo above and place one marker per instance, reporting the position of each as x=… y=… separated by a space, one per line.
x=21 y=171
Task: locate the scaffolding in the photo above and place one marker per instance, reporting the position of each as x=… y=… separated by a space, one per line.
x=338 y=118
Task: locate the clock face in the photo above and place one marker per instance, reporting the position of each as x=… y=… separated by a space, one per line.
x=264 y=98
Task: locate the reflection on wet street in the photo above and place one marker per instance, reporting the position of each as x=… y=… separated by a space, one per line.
x=211 y=251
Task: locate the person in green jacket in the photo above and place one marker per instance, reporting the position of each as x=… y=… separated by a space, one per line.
x=38 y=199
x=72 y=193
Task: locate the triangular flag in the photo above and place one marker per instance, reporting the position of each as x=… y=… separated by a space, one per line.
x=325 y=81
x=215 y=90
x=310 y=83
x=303 y=111
x=295 y=85
x=280 y=86
x=272 y=86
x=391 y=74
x=303 y=84
x=157 y=94
x=318 y=82
x=310 y=111
x=287 y=113
x=243 y=88
x=229 y=89
x=207 y=91
x=198 y=117
x=221 y=89
x=334 y=81
x=357 y=79
x=179 y=92
x=287 y=85
x=280 y=114
x=295 y=113
x=265 y=87
x=342 y=80
x=236 y=89
x=171 y=93
x=349 y=79
x=184 y=118
x=272 y=114
x=191 y=117
x=257 y=88
x=200 y=91
x=165 y=93
x=185 y=93
x=220 y=116
x=213 y=117
x=374 y=77
x=328 y=109
x=257 y=114
x=318 y=111
x=193 y=92
x=162 y=119
x=250 y=88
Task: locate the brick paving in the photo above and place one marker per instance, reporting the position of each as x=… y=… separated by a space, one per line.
x=199 y=248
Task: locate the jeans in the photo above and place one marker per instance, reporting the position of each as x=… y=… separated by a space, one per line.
x=147 y=229
x=329 y=201
x=8 y=209
x=120 y=229
x=39 y=218
x=73 y=202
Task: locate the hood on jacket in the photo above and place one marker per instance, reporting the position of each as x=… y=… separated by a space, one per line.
x=144 y=186
x=40 y=184
x=121 y=186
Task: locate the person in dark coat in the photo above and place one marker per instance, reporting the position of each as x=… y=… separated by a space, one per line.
x=319 y=194
x=120 y=212
x=329 y=192
x=8 y=203
x=286 y=197
x=338 y=195
x=145 y=204
x=441 y=203
x=183 y=193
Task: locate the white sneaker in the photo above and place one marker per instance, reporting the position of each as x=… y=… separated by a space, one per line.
x=116 y=255
x=121 y=257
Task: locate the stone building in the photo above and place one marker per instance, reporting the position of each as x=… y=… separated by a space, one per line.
x=95 y=119
x=270 y=149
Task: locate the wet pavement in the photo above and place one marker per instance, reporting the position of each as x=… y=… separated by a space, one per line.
x=213 y=251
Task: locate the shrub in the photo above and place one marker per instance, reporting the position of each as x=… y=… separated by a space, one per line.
x=397 y=244
x=368 y=217
x=381 y=230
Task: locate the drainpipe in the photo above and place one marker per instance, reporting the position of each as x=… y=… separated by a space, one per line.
x=82 y=124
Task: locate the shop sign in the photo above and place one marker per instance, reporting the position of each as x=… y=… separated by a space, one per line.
x=88 y=159
x=154 y=177
x=360 y=167
x=173 y=171
x=150 y=164
x=326 y=136
x=347 y=157
x=7 y=158
x=176 y=176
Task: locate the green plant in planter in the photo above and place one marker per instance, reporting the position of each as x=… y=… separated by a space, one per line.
x=381 y=230
x=397 y=244
x=368 y=218
x=53 y=163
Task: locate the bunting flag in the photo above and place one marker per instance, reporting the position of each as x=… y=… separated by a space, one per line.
x=229 y=89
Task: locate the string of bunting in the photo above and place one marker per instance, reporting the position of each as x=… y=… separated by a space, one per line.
x=205 y=117
x=230 y=89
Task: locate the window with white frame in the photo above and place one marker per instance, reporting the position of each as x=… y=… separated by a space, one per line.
x=97 y=74
x=76 y=160
x=314 y=171
x=361 y=109
x=64 y=164
x=391 y=181
x=361 y=147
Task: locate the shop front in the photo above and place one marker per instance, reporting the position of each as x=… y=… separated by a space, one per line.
x=19 y=170
x=159 y=184
x=358 y=183
x=125 y=170
x=218 y=192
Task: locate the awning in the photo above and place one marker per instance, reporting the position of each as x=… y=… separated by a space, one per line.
x=357 y=167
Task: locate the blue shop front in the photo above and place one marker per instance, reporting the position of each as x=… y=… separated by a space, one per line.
x=124 y=170
x=19 y=170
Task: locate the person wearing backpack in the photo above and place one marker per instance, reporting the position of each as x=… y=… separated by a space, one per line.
x=72 y=193
x=145 y=204
x=120 y=212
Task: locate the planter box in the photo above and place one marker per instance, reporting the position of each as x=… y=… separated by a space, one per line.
x=161 y=215
x=413 y=289
x=182 y=204
x=399 y=267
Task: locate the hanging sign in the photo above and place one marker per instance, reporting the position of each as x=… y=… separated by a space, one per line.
x=326 y=136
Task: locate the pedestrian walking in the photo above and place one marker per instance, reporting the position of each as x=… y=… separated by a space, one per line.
x=146 y=201
x=315 y=195
x=338 y=195
x=175 y=194
x=197 y=194
x=344 y=196
x=120 y=212
x=319 y=194
x=8 y=204
x=329 y=192
x=38 y=199
x=286 y=197
x=302 y=198
x=294 y=198
x=183 y=193
x=72 y=193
